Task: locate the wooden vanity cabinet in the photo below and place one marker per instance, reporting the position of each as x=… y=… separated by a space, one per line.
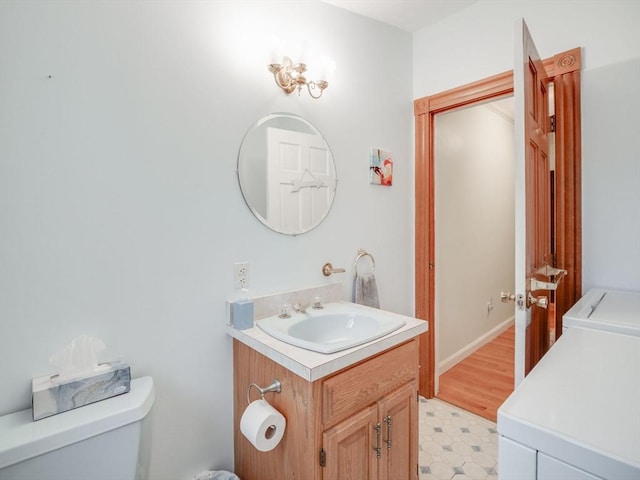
x=384 y=430
x=358 y=423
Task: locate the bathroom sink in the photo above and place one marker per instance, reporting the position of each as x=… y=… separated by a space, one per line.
x=336 y=327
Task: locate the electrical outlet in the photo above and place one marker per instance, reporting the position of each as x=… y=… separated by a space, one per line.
x=241 y=275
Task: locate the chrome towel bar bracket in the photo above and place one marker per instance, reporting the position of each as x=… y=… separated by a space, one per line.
x=327 y=269
x=275 y=386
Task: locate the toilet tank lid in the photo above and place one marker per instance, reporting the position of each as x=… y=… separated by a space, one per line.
x=21 y=438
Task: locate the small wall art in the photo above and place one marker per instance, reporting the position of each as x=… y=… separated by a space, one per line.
x=380 y=167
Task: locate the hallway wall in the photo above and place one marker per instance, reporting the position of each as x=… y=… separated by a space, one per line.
x=474 y=227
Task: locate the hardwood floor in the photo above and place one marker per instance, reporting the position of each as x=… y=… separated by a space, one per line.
x=483 y=380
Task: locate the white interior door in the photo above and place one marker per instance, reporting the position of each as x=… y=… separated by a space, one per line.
x=300 y=180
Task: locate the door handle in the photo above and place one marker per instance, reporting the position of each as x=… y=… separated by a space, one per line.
x=506 y=297
x=542 y=302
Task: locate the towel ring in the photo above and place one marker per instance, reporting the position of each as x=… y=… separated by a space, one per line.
x=363 y=253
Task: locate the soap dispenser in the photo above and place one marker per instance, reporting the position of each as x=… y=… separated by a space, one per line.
x=242 y=311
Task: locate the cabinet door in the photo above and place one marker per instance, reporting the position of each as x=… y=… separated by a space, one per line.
x=350 y=447
x=399 y=420
x=515 y=461
x=550 y=468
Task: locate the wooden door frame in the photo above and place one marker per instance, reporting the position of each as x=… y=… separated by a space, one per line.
x=563 y=70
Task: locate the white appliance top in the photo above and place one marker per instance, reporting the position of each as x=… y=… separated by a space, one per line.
x=610 y=310
x=580 y=404
x=21 y=438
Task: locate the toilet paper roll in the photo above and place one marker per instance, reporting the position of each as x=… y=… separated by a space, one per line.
x=263 y=425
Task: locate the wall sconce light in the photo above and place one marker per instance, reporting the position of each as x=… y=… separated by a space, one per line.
x=290 y=76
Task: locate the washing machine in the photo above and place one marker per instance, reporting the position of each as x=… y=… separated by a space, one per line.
x=612 y=310
x=576 y=416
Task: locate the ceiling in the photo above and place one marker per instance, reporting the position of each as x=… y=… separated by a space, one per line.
x=408 y=15
x=411 y=16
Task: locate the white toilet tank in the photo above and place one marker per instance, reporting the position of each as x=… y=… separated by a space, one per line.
x=107 y=440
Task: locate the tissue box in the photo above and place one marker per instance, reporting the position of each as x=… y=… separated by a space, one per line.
x=51 y=396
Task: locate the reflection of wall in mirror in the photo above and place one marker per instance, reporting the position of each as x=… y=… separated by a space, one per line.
x=252 y=170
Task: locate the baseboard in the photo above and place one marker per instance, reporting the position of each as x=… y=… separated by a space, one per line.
x=460 y=355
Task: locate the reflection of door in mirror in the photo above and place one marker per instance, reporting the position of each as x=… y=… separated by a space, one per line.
x=300 y=182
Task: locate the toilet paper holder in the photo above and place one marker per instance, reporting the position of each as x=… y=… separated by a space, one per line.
x=275 y=386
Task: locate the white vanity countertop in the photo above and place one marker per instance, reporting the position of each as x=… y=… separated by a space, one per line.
x=313 y=365
x=581 y=404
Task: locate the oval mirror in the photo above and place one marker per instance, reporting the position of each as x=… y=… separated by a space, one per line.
x=286 y=173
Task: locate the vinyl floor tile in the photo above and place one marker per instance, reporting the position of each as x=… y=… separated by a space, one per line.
x=455 y=444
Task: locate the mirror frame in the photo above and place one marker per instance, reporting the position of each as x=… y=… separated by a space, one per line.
x=247 y=153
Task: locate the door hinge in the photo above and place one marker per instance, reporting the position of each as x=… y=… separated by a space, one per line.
x=323 y=458
x=552 y=123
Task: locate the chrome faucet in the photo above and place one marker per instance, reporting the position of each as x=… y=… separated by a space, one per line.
x=284 y=311
x=316 y=305
x=299 y=308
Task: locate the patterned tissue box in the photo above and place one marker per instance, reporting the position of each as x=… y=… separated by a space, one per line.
x=51 y=397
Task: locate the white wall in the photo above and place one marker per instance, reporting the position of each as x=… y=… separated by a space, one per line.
x=120 y=214
x=474 y=227
x=120 y=211
x=611 y=178
x=479 y=42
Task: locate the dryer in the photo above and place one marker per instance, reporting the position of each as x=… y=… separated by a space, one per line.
x=602 y=309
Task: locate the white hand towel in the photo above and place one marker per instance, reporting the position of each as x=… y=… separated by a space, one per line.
x=365 y=290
